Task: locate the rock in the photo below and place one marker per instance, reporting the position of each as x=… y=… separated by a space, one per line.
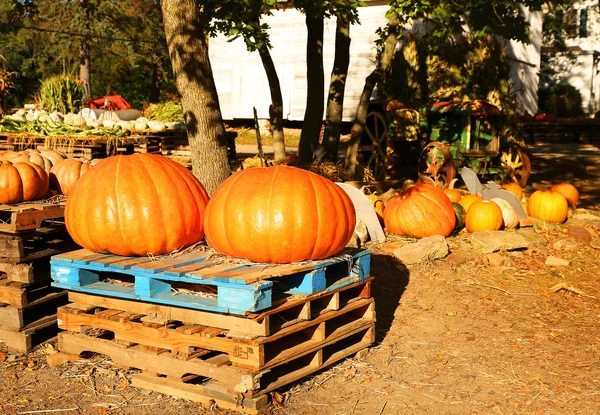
x=565 y=245
x=487 y=242
x=588 y=217
x=426 y=249
x=556 y=262
x=458 y=258
x=580 y=233
x=534 y=238
x=361 y=230
x=495 y=259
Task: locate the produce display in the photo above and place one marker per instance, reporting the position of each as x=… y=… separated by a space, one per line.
x=422 y=210
x=137 y=205
x=22 y=182
x=279 y=214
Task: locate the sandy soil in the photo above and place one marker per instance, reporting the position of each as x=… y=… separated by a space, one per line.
x=454 y=336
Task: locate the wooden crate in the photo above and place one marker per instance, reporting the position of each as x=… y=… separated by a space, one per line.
x=195 y=359
x=28 y=216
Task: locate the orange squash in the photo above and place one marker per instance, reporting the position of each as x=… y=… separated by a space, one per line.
x=548 y=206
x=136 y=205
x=483 y=215
x=515 y=189
x=421 y=210
x=569 y=191
x=21 y=182
x=468 y=200
x=65 y=173
x=279 y=214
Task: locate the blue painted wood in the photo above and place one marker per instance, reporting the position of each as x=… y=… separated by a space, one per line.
x=150 y=287
x=306 y=283
x=235 y=298
x=73 y=276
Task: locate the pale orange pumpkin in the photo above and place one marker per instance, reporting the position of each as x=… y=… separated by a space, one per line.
x=509 y=216
x=21 y=182
x=467 y=200
x=136 y=205
x=483 y=215
x=569 y=191
x=515 y=189
x=65 y=173
x=548 y=206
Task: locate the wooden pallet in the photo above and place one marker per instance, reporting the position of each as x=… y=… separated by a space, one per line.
x=18 y=318
x=28 y=216
x=226 y=287
x=19 y=295
x=22 y=247
x=25 y=339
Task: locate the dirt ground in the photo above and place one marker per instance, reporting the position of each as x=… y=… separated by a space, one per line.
x=454 y=336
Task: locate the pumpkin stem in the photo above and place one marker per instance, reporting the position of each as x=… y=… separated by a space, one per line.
x=451 y=185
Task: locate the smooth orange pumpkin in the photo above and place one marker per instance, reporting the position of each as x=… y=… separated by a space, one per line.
x=21 y=182
x=515 y=189
x=65 y=173
x=453 y=194
x=569 y=191
x=136 y=205
x=421 y=210
x=548 y=206
x=483 y=215
x=468 y=200
x=279 y=214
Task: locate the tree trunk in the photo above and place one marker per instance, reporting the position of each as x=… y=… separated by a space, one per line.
x=154 y=93
x=194 y=79
x=337 y=86
x=363 y=106
x=84 y=67
x=276 y=110
x=313 y=115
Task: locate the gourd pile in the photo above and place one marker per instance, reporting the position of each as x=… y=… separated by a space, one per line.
x=424 y=210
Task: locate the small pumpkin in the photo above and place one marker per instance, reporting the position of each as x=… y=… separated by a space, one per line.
x=483 y=215
x=509 y=216
x=65 y=173
x=569 y=191
x=548 y=206
x=460 y=214
x=453 y=194
x=22 y=182
x=515 y=189
x=136 y=205
x=468 y=200
x=421 y=210
x=278 y=214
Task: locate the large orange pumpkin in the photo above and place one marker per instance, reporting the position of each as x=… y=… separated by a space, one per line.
x=279 y=214
x=65 y=173
x=548 y=206
x=136 y=205
x=483 y=215
x=569 y=191
x=421 y=210
x=515 y=189
x=21 y=182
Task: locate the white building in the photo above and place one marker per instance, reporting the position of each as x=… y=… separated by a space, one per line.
x=242 y=84
x=583 y=43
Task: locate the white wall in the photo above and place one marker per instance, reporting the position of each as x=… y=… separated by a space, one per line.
x=241 y=81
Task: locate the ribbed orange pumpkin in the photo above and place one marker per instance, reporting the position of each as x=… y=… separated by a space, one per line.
x=569 y=191
x=136 y=205
x=279 y=214
x=65 y=173
x=421 y=210
x=483 y=215
x=548 y=206
x=509 y=216
x=468 y=200
x=21 y=182
x=515 y=189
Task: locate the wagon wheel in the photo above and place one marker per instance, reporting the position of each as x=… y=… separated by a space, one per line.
x=437 y=163
x=515 y=165
x=374 y=143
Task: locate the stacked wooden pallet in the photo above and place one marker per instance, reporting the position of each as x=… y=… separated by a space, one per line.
x=29 y=235
x=212 y=330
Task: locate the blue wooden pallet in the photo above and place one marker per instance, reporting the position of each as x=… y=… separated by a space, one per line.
x=241 y=286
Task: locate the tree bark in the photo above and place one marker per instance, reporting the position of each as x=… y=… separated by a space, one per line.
x=360 y=120
x=195 y=82
x=276 y=110
x=313 y=115
x=154 y=92
x=84 y=67
x=337 y=87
